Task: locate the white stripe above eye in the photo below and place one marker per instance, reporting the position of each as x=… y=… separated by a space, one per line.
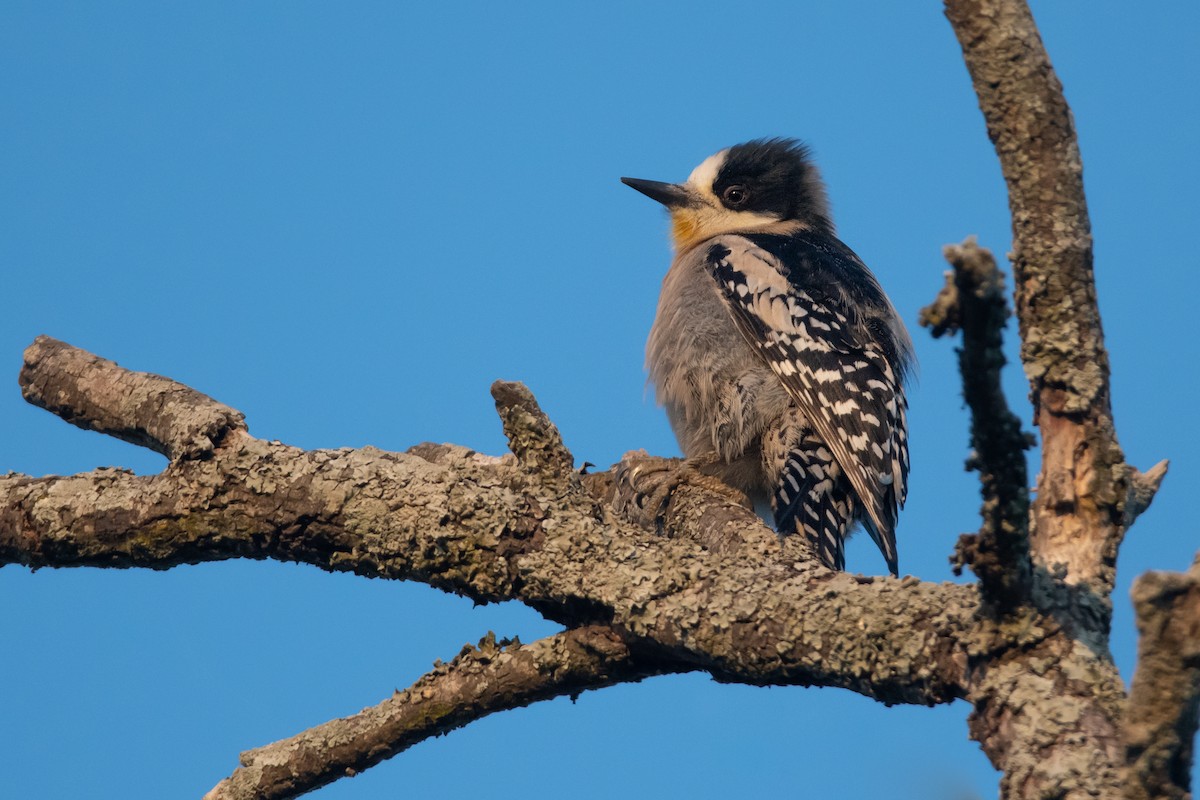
x=703 y=176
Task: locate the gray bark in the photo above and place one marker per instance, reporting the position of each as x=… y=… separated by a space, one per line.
x=653 y=568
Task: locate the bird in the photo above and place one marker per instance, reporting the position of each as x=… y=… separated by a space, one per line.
x=779 y=359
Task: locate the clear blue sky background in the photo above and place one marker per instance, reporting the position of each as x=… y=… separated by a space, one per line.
x=347 y=219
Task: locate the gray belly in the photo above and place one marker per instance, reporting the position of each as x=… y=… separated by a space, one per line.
x=719 y=394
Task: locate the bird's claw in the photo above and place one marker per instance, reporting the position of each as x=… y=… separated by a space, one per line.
x=644 y=485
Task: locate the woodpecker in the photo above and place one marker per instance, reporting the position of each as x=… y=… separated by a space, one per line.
x=778 y=357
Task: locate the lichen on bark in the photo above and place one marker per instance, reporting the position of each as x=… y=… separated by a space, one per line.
x=652 y=567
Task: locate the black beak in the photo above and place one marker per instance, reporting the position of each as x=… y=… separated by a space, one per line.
x=671 y=195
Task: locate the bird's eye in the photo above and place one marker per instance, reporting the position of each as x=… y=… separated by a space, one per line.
x=735 y=195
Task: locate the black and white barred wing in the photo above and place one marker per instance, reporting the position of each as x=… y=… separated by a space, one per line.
x=839 y=377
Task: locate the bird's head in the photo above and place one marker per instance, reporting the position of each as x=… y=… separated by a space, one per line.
x=766 y=186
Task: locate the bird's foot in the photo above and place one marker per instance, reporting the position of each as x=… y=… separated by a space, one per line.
x=644 y=484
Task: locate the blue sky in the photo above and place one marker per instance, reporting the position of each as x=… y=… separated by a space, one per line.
x=346 y=220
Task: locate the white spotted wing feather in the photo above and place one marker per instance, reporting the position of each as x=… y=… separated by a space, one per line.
x=837 y=372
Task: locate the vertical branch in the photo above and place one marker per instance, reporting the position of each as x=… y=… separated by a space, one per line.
x=1078 y=514
x=973 y=301
x=1164 y=701
x=1053 y=722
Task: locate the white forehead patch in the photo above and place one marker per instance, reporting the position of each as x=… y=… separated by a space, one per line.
x=703 y=176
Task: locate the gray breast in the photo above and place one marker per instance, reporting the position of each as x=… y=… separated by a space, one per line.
x=719 y=394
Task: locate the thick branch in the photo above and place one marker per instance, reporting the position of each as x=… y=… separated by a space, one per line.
x=1079 y=512
x=1164 y=701
x=480 y=681
x=750 y=609
x=973 y=301
x=1085 y=488
x=490 y=529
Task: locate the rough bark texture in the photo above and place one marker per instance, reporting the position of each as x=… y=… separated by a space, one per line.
x=973 y=301
x=1054 y=731
x=1084 y=484
x=489 y=529
x=654 y=568
x=491 y=677
x=1160 y=730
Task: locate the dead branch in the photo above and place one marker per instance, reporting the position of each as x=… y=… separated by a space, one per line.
x=479 y=681
x=667 y=567
x=973 y=301
x=1079 y=516
x=1164 y=700
x=490 y=529
x=140 y=408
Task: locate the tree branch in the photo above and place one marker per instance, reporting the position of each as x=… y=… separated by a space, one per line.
x=1079 y=516
x=973 y=301
x=138 y=407
x=1086 y=494
x=531 y=435
x=479 y=681
x=490 y=529
x=1164 y=701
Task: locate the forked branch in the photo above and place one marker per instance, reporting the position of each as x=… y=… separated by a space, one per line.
x=750 y=607
x=1084 y=486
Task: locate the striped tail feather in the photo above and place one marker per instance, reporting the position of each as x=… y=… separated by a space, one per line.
x=813 y=497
